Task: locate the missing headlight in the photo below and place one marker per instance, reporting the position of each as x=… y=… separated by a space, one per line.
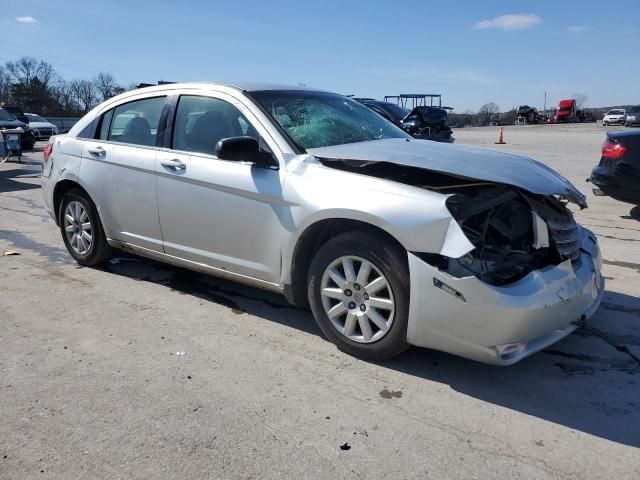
x=513 y=233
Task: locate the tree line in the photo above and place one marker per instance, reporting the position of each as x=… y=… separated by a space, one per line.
x=35 y=86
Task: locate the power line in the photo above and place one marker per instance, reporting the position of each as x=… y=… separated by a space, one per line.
x=67 y=64
x=56 y=64
x=49 y=54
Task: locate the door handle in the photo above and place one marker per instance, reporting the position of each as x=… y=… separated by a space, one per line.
x=173 y=163
x=96 y=151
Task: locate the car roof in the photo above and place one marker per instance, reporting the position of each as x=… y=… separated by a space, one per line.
x=241 y=86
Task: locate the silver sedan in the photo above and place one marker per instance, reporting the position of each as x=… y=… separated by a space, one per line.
x=391 y=241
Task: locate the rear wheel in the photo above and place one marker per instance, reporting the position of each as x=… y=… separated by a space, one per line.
x=82 y=230
x=359 y=293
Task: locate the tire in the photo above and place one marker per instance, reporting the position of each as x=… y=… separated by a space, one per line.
x=88 y=251
x=348 y=330
x=28 y=143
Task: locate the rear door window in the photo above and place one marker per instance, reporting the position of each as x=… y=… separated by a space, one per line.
x=136 y=122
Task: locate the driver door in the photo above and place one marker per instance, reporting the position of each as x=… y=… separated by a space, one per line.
x=219 y=213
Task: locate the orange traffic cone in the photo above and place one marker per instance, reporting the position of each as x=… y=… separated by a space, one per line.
x=500 y=138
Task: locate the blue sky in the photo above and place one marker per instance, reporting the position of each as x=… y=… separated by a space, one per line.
x=470 y=51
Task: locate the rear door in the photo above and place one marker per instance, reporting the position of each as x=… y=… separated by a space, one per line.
x=118 y=167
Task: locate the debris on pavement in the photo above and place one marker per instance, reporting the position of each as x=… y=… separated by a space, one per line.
x=7 y=253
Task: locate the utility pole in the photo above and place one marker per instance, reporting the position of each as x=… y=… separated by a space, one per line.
x=545 y=102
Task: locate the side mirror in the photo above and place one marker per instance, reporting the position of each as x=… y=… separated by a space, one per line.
x=244 y=149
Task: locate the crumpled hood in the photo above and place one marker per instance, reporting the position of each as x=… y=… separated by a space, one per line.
x=455 y=159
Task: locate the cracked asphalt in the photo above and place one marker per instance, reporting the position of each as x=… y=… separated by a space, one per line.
x=143 y=370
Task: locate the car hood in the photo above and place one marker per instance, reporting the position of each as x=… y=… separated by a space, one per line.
x=13 y=124
x=41 y=125
x=459 y=160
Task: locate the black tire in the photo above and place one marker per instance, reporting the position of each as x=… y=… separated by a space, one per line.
x=391 y=260
x=28 y=142
x=99 y=251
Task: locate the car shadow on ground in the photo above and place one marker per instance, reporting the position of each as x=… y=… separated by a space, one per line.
x=10 y=179
x=634 y=214
x=583 y=382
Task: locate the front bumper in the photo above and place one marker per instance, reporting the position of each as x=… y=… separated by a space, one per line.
x=503 y=325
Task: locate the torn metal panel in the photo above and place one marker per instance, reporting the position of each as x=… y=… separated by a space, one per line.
x=459 y=160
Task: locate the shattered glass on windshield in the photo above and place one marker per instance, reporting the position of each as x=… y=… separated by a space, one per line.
x=317 y=119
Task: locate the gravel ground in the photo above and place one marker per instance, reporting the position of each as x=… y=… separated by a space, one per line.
x=93 y=385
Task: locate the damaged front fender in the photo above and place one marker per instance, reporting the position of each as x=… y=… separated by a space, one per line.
x=419 y=219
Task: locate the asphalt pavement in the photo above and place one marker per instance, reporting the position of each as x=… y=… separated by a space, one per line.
x=143 y=370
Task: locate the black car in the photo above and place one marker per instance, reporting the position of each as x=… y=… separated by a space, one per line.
x=618 y=173
x=429 y=123
x=388 y=110
x=13 y=117
x=424 y=122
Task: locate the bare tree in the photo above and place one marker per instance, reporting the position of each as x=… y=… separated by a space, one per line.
x=84 y=93
x=65 y=94
x=46 y=74
x=27 y=69
x=5 y=86
x=34 y=85
x=488 y=112
x=581 y=100
x=23 y=70
x=106 y=85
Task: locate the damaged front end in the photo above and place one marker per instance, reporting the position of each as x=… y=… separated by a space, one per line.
x=526 y=274
x=513 y=232
x=532 y=275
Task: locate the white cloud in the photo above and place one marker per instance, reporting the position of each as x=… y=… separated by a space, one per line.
x=519 y=21
x=27 y=20
x=577 y=29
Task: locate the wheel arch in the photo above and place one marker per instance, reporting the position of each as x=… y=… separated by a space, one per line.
x=310 y=241
x=62 y=187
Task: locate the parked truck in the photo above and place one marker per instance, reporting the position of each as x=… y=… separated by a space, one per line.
x=568 y=113
x=529 y=115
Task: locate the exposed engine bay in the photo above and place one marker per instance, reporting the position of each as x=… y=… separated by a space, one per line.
x=514 y=232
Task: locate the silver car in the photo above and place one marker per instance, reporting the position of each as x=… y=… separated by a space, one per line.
x=391 y=241
x=42 y=128
x=613 y=117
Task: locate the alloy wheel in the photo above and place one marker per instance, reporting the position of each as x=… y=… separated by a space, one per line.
x=78 y=228
x=358 y=299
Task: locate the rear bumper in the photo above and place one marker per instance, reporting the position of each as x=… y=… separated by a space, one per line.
x=503 y=325
x=621 y=188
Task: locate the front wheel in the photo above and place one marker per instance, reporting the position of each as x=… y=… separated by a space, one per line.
x=82 y=230
x=358 y=289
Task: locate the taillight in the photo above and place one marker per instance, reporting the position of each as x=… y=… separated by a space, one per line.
x=47 y=152
x=611 y=149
